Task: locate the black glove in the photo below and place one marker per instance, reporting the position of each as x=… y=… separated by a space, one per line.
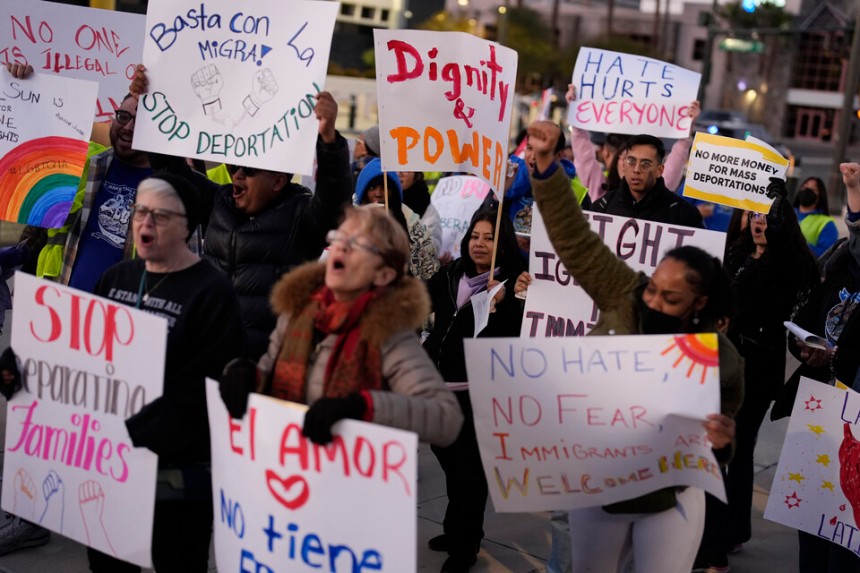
x=10 y=376
x=777 y=188
x=776 y=191
x=325 y=412
x=237 y=382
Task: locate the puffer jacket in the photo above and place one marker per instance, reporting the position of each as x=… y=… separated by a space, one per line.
x=255 y=251
x=415 y=397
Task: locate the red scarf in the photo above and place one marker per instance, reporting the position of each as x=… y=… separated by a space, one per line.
x=354 y=364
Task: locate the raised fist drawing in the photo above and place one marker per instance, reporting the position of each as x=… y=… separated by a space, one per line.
x=207 y=83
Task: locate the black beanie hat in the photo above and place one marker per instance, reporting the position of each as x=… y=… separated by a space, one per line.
x=187 y=194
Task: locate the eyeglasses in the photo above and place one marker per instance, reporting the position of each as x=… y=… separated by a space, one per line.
x=350 y=243
x=757 y=216
x=249 y=171
x=123 y=117
x=644 y=164
x=159 y=216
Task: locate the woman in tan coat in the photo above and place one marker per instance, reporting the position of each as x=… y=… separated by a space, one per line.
x=346 y=342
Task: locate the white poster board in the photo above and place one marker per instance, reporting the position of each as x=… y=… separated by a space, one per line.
x=625 y=93
x=732 y=172
x=456 y=199
x=557 y=306
x=76 y=42
x=69 y=466
x=283 y=503
x=45 y=124
x=582 y=422
x=816 y=487
x=445 y=101
x=235 y=83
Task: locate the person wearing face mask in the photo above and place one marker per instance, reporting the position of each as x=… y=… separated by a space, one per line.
x=772 y=271
x=813 y=212
x=689 y=292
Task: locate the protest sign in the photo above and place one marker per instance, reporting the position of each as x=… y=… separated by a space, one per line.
x=816 y=487
x=732 y=172
x=582 y=422
x=235 y=83
x=456 y=199
x=625 y=93
x=76 y=42
x=445 y=101
x=283 y=503
x=89 y=363
x=45 y=124
x=557 y=306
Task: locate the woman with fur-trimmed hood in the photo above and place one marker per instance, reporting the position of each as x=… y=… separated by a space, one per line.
x=345 y=342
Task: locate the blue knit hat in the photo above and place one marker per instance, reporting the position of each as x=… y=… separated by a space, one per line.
x=371 y=175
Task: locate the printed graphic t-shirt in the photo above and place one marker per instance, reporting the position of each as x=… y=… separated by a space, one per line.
x=103 y=240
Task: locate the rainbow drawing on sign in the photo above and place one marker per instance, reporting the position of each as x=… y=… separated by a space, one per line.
x=39 y=179
x=700 y=349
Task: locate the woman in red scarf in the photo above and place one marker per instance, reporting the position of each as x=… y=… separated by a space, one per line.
x=346 y=342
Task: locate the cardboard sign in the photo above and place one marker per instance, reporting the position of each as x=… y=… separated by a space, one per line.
x=732 y=172
x=445 y=101
x=45 y=124
x=623 y=93
x=816 y=487
x=89 y=363
x=581 y=422
x=235 y=83
x=76 y=42
x=557 y=306
x=283 y=503
x=456 y=199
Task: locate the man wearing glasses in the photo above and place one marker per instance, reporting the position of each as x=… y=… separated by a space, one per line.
x=262 y=225
x=93 y=236
x=642 y=194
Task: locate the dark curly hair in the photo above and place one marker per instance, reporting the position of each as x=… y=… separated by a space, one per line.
x=708 y=278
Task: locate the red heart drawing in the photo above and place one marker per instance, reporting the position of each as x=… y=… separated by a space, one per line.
x=280 y=489
x=842 y=507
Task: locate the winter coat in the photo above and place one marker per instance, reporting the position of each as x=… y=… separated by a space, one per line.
x=659 y=204
x=255 y=251
x=415 y=398
x=451 y=326
x=614 y=286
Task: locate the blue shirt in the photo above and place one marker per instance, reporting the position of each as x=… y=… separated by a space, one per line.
x=103 y=239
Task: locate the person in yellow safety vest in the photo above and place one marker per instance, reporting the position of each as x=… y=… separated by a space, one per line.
x=93 y=237
x=813 y=213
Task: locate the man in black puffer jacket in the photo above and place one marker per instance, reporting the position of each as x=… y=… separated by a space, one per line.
x=262 y=225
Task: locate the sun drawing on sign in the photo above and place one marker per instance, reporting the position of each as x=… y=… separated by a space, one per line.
x=700 y=349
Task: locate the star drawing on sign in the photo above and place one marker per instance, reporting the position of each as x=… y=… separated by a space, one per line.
x=827 y=485
x=792 y=501
x=815 y=429
x=823 y=459
x=813 y=404
x=796 y=477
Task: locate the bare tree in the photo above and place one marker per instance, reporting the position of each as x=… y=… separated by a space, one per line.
x=553 y=22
